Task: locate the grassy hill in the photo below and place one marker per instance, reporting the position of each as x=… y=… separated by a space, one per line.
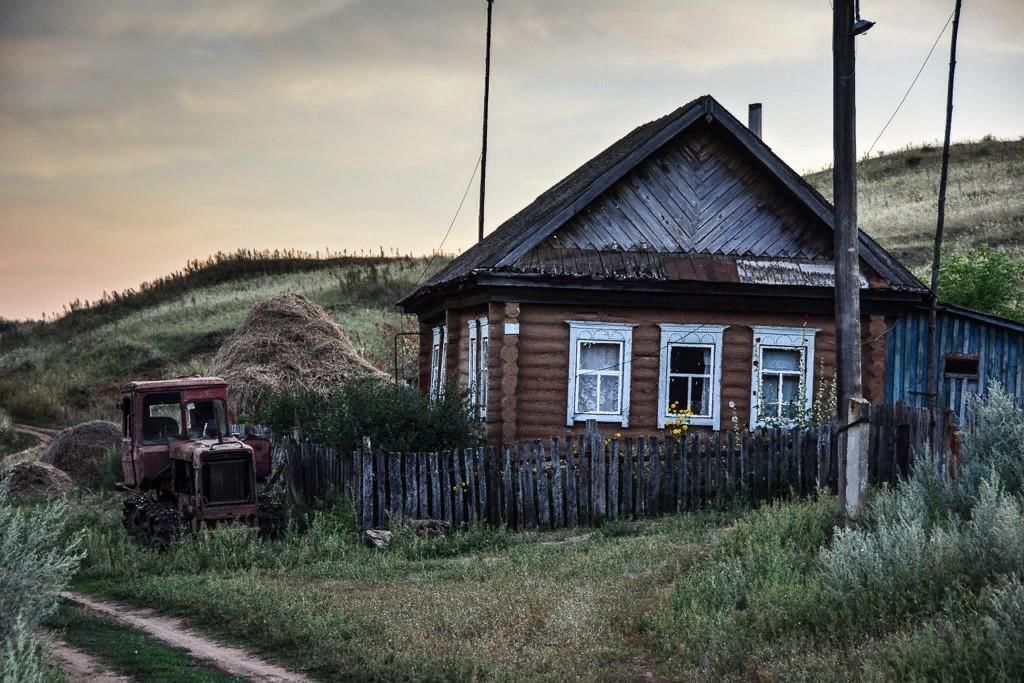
x=898 y=195
x=69 y=369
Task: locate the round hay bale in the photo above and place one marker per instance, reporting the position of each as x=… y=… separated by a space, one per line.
x=82 y=450
x=32 y=479
x=287 y=342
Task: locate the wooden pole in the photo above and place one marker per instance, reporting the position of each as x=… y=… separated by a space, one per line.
x=933 y=340
x=847 y=290
x=483 y=149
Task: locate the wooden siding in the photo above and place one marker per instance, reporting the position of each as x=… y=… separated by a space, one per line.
x=1000 y=351
x=702 y=194
x=544 y=357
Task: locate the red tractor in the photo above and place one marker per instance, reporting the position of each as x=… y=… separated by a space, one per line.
x=183 y=465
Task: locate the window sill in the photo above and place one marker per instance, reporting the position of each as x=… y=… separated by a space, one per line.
x=586 y=417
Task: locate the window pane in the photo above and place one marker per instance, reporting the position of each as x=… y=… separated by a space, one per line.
x=769 y=395
x=609 y=399
x=676 y=393
x=781 y=359
x=790 y=399
x=691 y=360
x=587 y=393
x=699 y=399
x=598 y=356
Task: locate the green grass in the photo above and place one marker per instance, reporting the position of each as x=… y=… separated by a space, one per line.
x=898 y=196
x=68 y=370
x=130 y=652
x=486 y=604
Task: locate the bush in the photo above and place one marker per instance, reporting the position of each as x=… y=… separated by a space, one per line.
x=396 y=417
x=986 y=279
x=37 y=560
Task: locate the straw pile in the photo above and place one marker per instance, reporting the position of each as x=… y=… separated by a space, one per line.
x=32 y=479
x=287 y=342
x=83 y=451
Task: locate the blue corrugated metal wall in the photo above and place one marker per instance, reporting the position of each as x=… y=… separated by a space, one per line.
x=1000 y=350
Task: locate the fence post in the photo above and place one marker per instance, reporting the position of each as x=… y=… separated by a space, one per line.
x=857 y=439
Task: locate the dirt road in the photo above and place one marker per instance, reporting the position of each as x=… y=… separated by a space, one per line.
x=45 y=436
x=174 y=632
x=81 y=667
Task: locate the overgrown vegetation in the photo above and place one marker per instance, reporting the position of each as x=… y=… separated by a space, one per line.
x=10 y=440
x=68 y=370
x=396 y=417
x=37 y=560
x=921 y=589
x=985 y=279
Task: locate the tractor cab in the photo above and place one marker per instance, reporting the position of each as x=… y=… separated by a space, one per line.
x=177 y=444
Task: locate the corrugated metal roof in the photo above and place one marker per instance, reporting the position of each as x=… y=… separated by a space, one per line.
x=774 y=272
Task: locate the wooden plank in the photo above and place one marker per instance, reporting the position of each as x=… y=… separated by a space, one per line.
x=597 y=479
x=614 y=465
x=366 y=460
x=668 y=475
x=654 y=477
x=381 y=482
x=543 y=486
x=557 y=497
x=435 y=487
x=530 y=485
x=458 y=503
x=640 y=491
x=570 y=483
x=408 y=484
x=508 y=509
x=626 y=482
x=586 y=456
x=481 y=486
x=422 y=500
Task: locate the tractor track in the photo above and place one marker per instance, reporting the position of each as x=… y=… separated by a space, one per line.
x=174 y=632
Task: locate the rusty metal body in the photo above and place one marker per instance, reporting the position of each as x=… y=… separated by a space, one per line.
x=177 y=447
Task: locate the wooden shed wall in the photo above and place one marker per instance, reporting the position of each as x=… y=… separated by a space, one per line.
x=1000 y=351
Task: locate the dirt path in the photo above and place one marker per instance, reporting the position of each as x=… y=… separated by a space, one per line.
x=82 y=667
x=45 y=436
x=174 y=632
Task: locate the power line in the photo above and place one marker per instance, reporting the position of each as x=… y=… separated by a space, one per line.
x=912 y=84
x=452 y=224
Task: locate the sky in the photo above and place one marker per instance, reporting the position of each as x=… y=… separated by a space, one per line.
x=138 y=134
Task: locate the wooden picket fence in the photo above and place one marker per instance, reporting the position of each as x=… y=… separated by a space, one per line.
x=585 y=479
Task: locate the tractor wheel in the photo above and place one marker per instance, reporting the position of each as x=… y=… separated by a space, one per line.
x=133 y=515
x=162 y=524
x=271 y=518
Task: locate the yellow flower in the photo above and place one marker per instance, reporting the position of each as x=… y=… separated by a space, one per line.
x=685 y=427
x=677 y=431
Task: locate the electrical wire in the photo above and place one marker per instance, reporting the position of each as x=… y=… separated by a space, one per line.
x=448 y=232
x=912 y=84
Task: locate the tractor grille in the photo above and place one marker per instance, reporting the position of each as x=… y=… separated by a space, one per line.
x=227 y=481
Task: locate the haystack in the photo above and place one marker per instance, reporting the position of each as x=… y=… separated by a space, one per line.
x=82 y=451
x=32 y=479
x=287 y=342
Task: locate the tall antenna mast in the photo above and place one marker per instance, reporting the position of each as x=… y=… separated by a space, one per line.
x=483 y=150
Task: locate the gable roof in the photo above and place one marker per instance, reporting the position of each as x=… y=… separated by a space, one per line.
x=516 y=237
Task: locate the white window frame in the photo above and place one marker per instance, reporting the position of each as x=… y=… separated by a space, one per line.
x=616 y=333
x=699 y=336
x=472 y=361
x=438 y=362
x=483 y=371
x=786 y=338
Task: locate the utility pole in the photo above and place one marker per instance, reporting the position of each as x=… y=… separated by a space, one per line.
x=851 y=406
x=483 y=150
x=933 y=338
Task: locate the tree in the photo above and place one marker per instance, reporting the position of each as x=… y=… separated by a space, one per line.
x=985 y=279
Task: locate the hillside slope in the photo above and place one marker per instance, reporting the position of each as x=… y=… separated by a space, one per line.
x=898 y=196
x=70 y=369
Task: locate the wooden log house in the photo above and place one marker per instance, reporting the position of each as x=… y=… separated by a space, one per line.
x=685 y=266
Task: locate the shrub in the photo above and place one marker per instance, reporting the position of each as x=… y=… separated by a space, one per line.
x=37 y=560
x=396 y=417
x=986 y=279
